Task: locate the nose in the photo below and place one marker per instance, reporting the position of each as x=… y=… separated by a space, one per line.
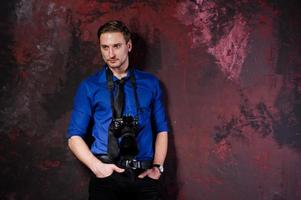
x=111 y=53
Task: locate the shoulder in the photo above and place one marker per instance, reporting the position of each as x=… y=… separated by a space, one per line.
x=148 y=82
x=94 y=81
x=97 y=77
x=145 y=76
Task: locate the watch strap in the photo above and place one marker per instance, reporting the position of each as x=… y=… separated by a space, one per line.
x=160 y=167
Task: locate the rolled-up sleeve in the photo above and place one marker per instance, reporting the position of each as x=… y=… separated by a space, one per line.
x=81 y=113
x=159 y=111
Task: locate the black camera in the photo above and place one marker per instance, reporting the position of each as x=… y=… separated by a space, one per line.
x=125 y=130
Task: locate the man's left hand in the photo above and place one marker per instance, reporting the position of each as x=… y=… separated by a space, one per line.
x=153 y=173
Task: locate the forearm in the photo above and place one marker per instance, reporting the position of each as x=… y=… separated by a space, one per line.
x=161 y=148
x=81 y=150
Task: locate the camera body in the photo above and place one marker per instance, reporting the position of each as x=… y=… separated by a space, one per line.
x=125 y=130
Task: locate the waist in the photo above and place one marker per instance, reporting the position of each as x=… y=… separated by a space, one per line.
x=126 y=163
x=145 y=153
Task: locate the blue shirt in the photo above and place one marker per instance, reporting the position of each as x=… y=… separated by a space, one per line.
x=92 y=103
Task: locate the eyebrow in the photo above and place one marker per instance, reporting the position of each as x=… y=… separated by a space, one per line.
x=105 y=45
x=117 y=44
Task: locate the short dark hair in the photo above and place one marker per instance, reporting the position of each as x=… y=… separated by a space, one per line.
x=115 y=26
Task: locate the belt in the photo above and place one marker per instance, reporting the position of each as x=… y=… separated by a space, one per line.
x=126 y=163
x=136 y=164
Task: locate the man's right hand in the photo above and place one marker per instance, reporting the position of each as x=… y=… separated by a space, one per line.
x=102 y=170
x=81 y=150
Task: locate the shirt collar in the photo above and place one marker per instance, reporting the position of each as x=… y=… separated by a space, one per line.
x=128 y=73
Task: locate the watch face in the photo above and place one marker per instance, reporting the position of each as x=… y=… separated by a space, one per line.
x=161 y=169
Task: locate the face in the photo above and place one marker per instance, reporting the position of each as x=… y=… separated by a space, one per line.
x=115 y=50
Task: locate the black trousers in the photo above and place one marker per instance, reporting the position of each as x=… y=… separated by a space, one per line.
x=122 y=186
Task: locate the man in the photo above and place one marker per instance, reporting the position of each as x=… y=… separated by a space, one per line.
x=124 y=161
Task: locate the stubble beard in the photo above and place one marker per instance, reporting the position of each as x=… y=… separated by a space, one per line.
x=120 y=67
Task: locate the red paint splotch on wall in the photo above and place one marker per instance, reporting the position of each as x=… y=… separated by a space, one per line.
x=223 y=150
x=230 y=49
x=198 y=15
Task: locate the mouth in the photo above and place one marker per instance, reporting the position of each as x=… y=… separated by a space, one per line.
x=112 y=60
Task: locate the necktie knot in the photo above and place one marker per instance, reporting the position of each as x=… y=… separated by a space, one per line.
x=120 y=81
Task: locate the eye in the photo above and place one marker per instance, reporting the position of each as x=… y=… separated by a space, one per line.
x=117 y=46
x=104 y=47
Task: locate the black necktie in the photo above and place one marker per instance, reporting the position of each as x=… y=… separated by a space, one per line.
x=113 y=147
x=119 y=98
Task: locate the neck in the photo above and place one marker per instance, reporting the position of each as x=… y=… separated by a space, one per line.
x=119 y=73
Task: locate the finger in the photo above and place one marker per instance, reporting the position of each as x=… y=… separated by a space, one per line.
x=117 y=169
x=103 y=175
x=143 y=174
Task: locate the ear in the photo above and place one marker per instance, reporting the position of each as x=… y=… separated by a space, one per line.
x=130 y=45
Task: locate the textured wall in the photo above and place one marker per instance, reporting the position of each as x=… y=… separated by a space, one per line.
x=231 y=70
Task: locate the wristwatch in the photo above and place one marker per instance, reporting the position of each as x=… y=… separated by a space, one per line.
x=160 y=167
